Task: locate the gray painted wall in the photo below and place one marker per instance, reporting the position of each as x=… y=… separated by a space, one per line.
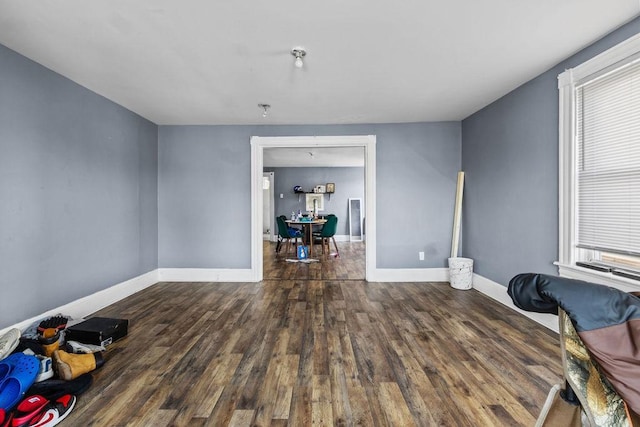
x=349 y=183
x=78 y=184
x=204 y=191
x=204 y=197
x=510 y=156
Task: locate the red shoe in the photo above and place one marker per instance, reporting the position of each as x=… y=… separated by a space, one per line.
x=55 y=412
x=26 y=411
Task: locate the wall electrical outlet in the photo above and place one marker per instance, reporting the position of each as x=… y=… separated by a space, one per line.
x=421 y=256
x=281 y=196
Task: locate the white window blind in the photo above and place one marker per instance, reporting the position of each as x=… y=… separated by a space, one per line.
x=608 y=161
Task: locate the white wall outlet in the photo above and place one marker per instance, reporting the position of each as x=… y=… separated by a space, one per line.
x=281 y=196
x=421 y=256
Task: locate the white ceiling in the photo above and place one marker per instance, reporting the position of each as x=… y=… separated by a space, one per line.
x=368 y=61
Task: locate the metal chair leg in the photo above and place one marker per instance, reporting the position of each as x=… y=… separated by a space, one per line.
x=568 y=395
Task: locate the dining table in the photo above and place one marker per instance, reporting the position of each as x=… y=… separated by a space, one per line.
x=307 y=226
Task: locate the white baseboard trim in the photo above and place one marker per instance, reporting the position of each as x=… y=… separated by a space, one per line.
x=498 y=292
x=206 y=275
x=410 y=275
x=85 y=306
x=91 y=303
x=483 y=285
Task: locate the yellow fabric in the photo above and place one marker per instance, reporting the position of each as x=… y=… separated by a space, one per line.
x=600 y=402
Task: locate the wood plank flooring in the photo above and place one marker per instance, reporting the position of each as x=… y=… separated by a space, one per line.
x=299 y=352
x=349 y=265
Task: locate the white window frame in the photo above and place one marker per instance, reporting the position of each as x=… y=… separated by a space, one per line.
x=567 y=82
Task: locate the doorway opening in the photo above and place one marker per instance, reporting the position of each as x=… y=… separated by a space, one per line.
x=268 y=215
x=259 y=144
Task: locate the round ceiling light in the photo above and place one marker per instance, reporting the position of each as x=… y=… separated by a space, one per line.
x=298 y=53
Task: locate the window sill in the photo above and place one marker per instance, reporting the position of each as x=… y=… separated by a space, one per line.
x=589 y=275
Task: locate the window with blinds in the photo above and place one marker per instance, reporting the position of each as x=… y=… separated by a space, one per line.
x=607 y=166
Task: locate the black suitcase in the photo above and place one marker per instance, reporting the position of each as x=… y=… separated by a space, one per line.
x=98 y=331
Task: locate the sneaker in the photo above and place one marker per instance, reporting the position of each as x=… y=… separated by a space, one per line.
x=9 y=341
x=56 y=412
x=46 y=368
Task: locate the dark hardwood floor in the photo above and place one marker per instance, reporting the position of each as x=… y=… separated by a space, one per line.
x=308 y=346
x=349 y=265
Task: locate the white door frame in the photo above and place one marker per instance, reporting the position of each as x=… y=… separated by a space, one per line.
x=259 y=143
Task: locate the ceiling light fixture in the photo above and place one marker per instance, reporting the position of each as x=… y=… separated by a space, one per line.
x=299 y=53
x=264 y=107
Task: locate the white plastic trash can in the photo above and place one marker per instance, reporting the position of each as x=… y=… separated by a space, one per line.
x=461 y=273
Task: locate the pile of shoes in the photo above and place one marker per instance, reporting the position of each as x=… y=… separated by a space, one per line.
x=41 y=375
